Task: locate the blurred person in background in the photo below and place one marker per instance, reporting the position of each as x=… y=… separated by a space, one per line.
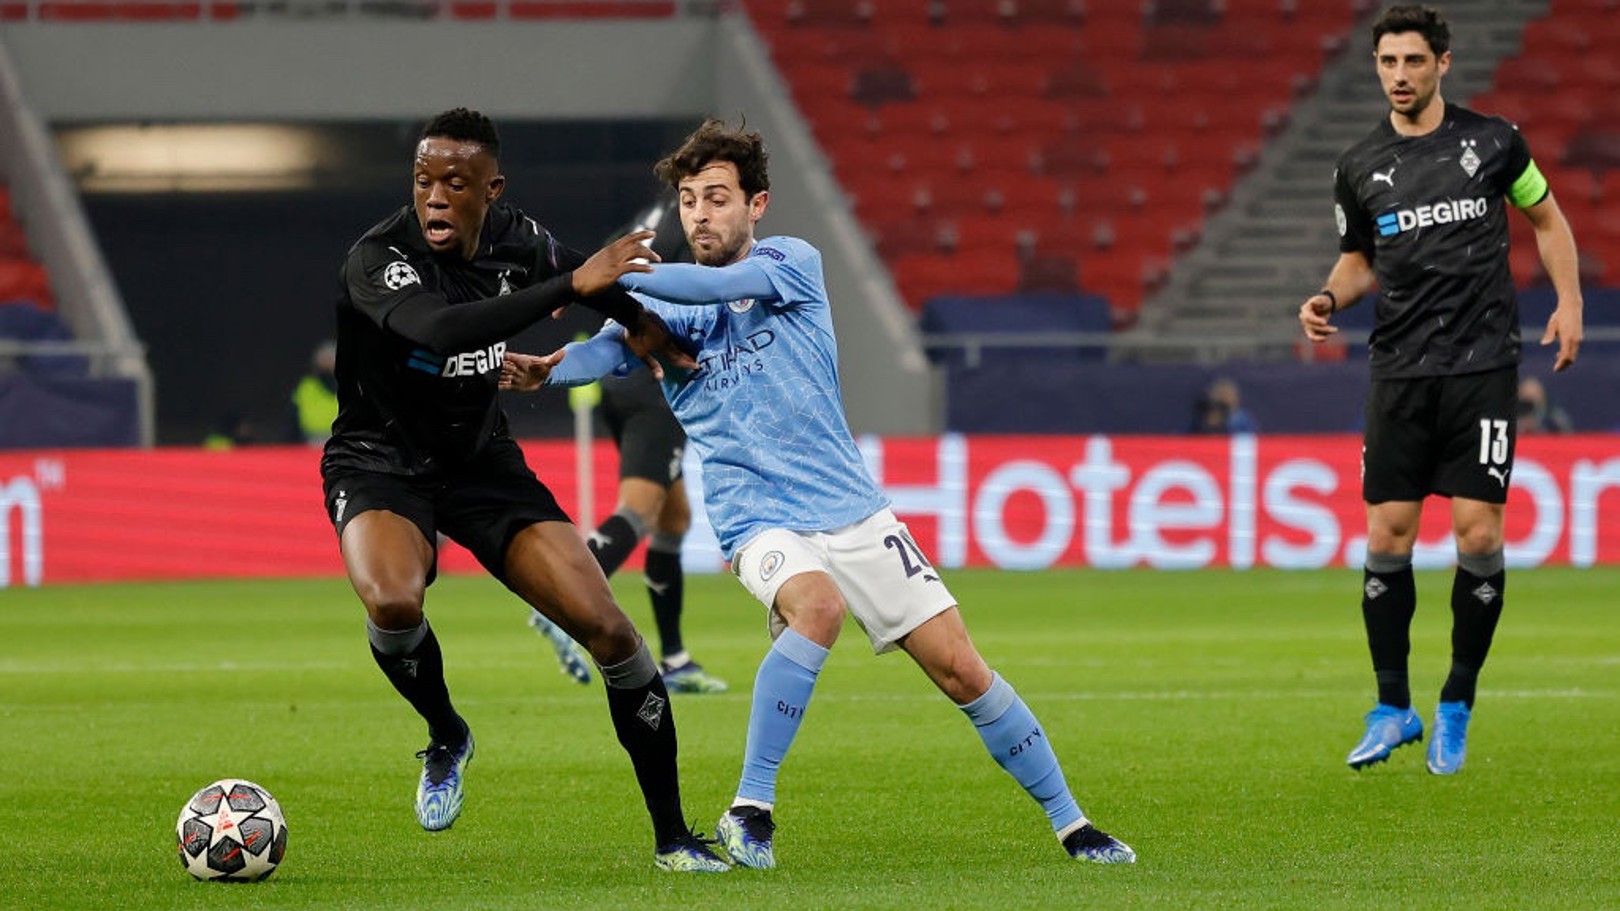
x=314 y=401
x=1220 y=410
x=806 y=529
x=1421 y=206
x=420 y=446
x=652 y=504
x=1538 y=413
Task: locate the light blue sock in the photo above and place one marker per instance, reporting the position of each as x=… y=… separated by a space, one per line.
x=1018 y=743
x=782 y=691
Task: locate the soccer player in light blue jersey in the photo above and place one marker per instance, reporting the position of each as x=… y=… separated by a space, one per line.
x=806 y=528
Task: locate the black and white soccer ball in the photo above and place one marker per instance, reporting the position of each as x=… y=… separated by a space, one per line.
x=231 y=830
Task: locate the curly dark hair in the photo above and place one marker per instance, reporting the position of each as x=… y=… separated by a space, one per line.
x=1414 y=17
x=713 y=141
x=465 y=125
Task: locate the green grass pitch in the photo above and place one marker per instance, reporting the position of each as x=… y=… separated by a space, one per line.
x=1203 y=717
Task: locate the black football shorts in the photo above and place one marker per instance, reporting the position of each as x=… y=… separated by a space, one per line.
x=481 y=505
x=650 y=440
x=1447 y=435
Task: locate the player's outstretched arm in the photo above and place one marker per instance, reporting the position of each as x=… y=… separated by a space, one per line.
x=1352 y=276
x=579 y=363
x=688 y=283
x=1556 y=244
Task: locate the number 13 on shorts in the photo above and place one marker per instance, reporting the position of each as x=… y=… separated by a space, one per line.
x=1493 y=441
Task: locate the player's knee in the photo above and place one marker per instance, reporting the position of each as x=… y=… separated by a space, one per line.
x=393 y=607
x=1391 y=540
x=674 y=526
x=1479 y=539
x=963 y=676
x=609 y=636
x=819 y=619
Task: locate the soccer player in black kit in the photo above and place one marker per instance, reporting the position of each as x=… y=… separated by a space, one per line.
x=652 y=505
x=420 y=446
x=1421 y=204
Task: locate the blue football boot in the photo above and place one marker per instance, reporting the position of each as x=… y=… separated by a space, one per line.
x=745 y=832
x=571 y=657
x=1091 y=843
x=690 y=853
x=439 y=793
x=690 y=677
x=1448 y=745
x=1387 y=728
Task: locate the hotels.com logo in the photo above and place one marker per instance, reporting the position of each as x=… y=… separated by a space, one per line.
x=20 y=495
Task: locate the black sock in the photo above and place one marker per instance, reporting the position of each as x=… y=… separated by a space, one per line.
x=613 y=541
x=1388 y=601
x=666 y=584
x=639 y=705
x=1476 y=606
x=418 y=674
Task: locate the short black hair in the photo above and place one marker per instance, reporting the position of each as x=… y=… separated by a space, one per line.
x=465 y=125
x=713 y=141
x=1414 y=17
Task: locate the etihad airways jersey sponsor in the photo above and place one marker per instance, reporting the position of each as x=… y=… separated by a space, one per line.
x=764 y=410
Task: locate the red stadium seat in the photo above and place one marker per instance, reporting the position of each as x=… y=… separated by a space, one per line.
x=116 y=11
x=920 y=276
x=1042 y=123
x=24 y=280
x=915 y=118
x=992 y=233
x=1045 y=272
x=13 y=242
x=476 y=9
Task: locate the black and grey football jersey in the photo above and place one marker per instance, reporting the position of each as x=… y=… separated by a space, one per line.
x=405 y=409
x=1430 y=214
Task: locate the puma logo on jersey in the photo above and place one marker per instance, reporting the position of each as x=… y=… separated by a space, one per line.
x=1500 y=474
x=1386 y=176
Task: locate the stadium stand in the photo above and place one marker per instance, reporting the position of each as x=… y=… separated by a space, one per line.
x=21 y=279
x=229 y=10
x=1561 y=89
x=1116 y=124
x=1170 y=158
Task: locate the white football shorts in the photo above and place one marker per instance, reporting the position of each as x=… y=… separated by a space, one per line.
x=890 y=587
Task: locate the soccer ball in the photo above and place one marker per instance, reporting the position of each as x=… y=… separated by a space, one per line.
x=231 y=830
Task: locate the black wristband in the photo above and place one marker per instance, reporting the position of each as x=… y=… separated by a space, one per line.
x=1332 y=299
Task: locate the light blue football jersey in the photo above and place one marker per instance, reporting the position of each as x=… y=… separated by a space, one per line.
x=764 y=411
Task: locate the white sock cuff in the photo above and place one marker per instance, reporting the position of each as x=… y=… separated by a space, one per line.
x=1072 y=827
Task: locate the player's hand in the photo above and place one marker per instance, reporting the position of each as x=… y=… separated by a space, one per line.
x=1564 y=327
x=627 y=254
x=652 y=341
x=527 y=372
x=1313 y=317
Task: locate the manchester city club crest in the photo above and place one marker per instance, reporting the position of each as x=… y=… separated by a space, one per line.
x=1469 y=159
